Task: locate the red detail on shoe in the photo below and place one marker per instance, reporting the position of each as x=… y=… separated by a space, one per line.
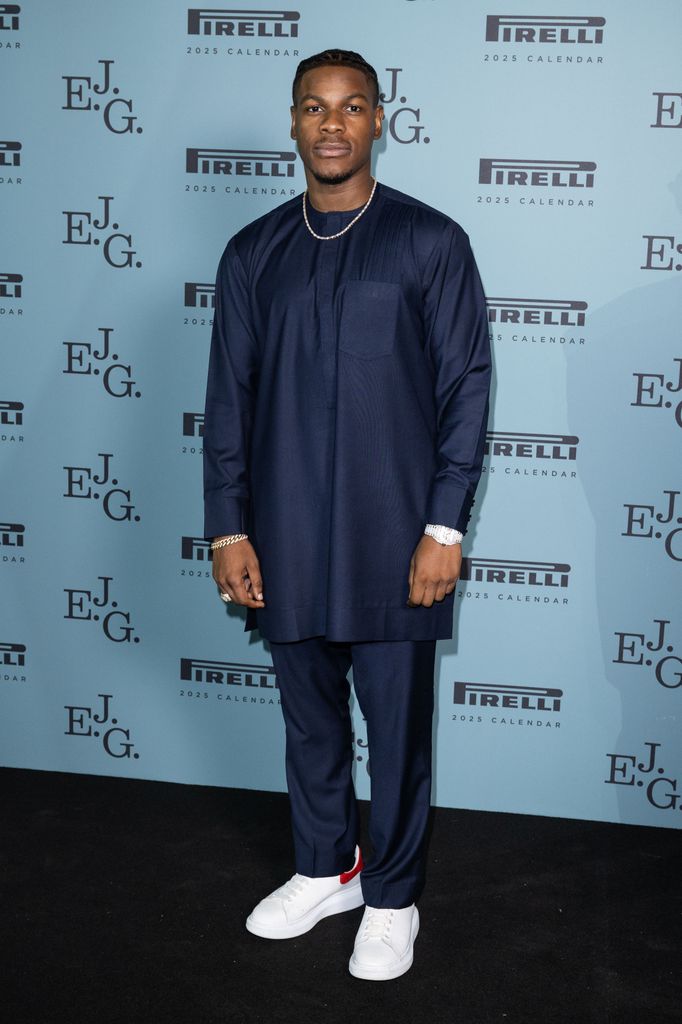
x=346 y=876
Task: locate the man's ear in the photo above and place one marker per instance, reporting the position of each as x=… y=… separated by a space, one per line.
x=378 y=127
x=292 y=130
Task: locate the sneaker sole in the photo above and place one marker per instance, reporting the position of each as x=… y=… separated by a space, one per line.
x=386 y=973
x=348 y=898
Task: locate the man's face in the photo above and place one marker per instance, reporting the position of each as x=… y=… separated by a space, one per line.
x=334 y=122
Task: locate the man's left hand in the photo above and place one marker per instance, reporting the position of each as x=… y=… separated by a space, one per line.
x=434 y=571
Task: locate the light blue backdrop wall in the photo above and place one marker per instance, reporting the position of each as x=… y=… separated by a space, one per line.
x=560 y=692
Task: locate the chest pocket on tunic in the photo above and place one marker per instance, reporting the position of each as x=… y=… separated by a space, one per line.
x=369 y=318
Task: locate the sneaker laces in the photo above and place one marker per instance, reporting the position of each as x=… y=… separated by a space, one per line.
x=293 y=887
x=378 y=922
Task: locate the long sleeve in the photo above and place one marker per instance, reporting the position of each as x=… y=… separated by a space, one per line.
x=230 y=397
x=458 y=345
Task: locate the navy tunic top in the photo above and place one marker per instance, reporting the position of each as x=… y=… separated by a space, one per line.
x=346 y=407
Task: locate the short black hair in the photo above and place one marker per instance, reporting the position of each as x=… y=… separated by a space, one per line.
x=336 y=58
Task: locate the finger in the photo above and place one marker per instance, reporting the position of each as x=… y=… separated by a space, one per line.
x=411 y=597
x=250 y=593
x=238 y=587
x=417 y=592
x=255 y=579
x=242 y=595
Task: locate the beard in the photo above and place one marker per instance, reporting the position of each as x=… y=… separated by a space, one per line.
x=332 y=179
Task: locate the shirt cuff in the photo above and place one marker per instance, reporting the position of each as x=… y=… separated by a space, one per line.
x=224 y=516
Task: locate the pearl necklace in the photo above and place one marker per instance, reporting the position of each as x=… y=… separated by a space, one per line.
x=325 y=238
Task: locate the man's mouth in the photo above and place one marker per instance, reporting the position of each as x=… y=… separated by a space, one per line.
x=331 y=149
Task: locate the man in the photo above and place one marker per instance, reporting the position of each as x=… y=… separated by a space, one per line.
x=345 y=420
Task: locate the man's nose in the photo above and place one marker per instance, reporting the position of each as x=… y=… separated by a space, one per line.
x=332 y=122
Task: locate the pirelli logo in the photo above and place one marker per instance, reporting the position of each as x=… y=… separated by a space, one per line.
x=227 y=673
x=12 y=654
x=241 y=162
x=537 y=173
x=243 y=23
x=10 y=286
x=516 y=573
x=10 y=154
x=525 y=698
x=12 y=535
x=547 y=312
x=555 y=447
x=193 y=424
x=549 y=28
x=11 y=413
x=199 y=296
x=196 y=549
x=9 y=17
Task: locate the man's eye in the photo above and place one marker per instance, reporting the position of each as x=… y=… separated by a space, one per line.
x=313 y=106
x=354 y=106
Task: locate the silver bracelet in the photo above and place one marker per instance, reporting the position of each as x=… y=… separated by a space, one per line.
x=232 y=539
x=443 y=534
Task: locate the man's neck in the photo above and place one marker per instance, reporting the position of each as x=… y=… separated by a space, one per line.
x=347 y=195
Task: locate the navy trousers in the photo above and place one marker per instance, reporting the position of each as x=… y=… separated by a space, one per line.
x=394 y=686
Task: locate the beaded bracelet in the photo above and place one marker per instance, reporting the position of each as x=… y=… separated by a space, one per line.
x=228 y=540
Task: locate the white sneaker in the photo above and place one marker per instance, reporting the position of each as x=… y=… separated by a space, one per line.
x=384 y=943
x=300 y=903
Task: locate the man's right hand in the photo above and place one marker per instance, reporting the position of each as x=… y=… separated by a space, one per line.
x=236 y=570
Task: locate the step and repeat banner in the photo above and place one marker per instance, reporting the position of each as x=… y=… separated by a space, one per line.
x=552 y=135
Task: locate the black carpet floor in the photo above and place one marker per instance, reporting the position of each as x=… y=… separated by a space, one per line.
x=124 y=901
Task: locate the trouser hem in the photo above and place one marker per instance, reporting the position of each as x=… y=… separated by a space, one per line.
x=321 y=866
x=395 y=895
